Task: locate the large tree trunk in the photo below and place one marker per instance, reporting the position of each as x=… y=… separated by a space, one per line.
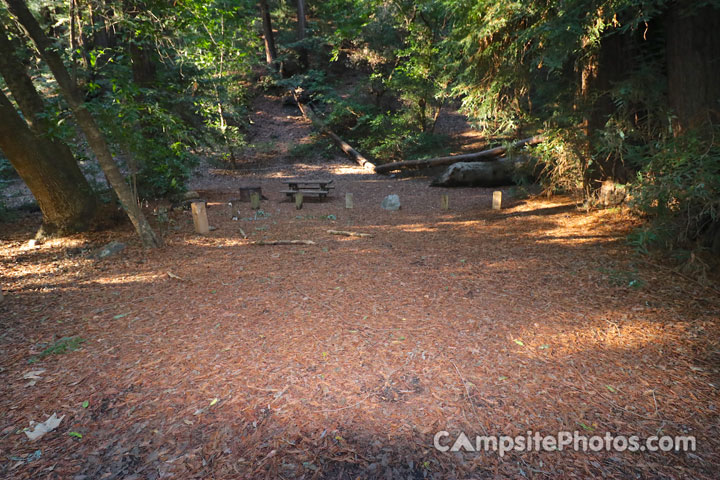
x=270 y=50
x=504 y=171
x=76 y=196
x=693 y=64
x=141 y=58
x=465 y=157
x=62 y=192
x=605 y=67
x=86 y=122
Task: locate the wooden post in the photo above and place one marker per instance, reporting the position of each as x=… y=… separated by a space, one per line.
x=497 y=200
x=349 y=200
x=255 y=200
x=445 y=202
x=199 y=214
x=298 y=200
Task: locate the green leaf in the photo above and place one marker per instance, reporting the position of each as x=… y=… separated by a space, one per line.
x=120 y=316
x=85 y=404
x=519 y=342
x=586 y=427
x=75 y=434
x=214 y=401
x=610 y=388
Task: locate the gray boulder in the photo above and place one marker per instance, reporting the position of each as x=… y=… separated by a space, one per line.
x=110 y=249
x=391 y=202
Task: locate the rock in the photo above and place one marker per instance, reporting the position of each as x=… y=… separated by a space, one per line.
x=190 y=195
x=612 y=194
x=110 y=249
x=391 y=202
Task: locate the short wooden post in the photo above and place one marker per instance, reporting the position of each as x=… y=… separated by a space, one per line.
x=298 y=200
x=199 y=214
x=255 y=200
x=497 y=200
x=349 y=200
x=445 y=202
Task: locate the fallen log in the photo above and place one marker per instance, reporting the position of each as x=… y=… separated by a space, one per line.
x=349 y=234
x=356 y=156
x=284 y=242
x=466 y=157
x=504 y=171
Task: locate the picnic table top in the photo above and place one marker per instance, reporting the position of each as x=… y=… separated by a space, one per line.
x=302 y=181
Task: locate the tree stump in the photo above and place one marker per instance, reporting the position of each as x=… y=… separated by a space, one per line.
x=246 y=193
x=255 y=200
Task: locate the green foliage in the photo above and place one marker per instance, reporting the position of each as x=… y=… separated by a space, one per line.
x=679 y=189
x=64 y=345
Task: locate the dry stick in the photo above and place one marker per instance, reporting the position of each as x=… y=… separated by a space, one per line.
x=467 y=395
x=284 y=242
x=438 y=161
x=349 y=234
x=346 y=407
x=308 y=113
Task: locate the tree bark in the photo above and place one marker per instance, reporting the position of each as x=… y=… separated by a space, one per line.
x=439 y=161
x=86 y=122
x=609 y=65
x=301 y=33
x=481 y=174
x=693 y=64
x=66 y=200
x=270 y=50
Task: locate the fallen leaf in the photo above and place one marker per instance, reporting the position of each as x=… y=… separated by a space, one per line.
x=42 y=428
x=172 y=275
x=34 y=374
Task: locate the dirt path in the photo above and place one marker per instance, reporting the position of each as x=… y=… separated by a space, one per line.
x=343 y=359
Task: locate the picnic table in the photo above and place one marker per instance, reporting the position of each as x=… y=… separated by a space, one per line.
x=320 y=187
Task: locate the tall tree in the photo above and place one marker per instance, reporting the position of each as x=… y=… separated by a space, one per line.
x=71 y=208
x=301 y=33
x=85 y=121
x=693 y=63
x=270 y=50
x=62 y=193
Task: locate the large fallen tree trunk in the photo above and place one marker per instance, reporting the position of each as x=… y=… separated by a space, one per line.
x=356 y=156
x=504 y=171
x=439 y=161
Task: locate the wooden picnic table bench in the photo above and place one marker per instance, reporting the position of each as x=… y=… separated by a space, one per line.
x=321 y=187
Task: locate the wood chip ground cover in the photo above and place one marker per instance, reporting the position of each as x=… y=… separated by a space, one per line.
x=344 y=358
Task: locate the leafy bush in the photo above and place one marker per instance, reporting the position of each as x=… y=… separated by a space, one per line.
x=679 y=189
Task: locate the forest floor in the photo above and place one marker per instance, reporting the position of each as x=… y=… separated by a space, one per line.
x=216 y=358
